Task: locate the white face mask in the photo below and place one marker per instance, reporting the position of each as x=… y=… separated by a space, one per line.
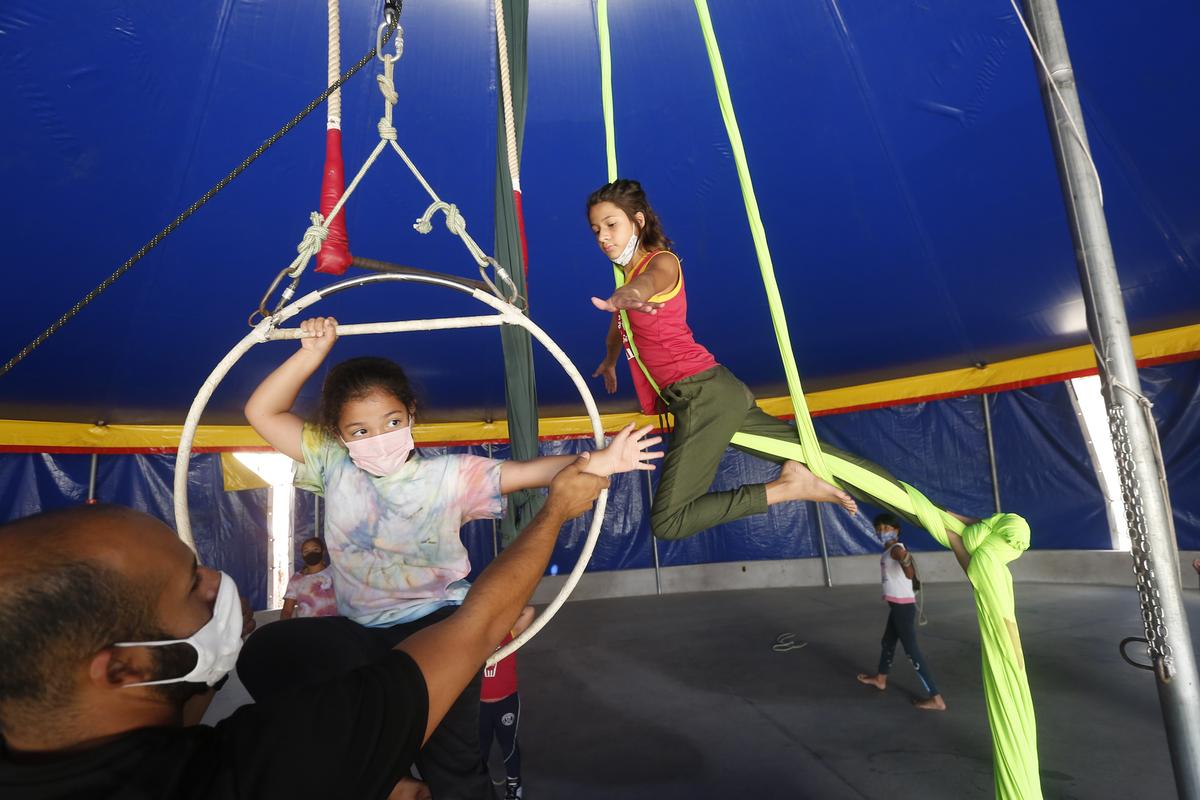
x=889 y=537
x=383 y=454
x=627 y=253
x=217 y=644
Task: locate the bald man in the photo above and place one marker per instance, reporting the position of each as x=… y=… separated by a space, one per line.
x=108 y=625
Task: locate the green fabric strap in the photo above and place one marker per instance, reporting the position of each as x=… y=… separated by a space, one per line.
x=804 y=426
x=606 y=94
x=520 y=386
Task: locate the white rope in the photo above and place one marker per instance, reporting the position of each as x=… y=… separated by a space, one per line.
x=510 y=127
x=1066 y=109
x=507 y=314
x=333 y=120
x=456 y=223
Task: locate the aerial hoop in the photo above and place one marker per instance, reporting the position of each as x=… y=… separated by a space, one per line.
x=506 y=314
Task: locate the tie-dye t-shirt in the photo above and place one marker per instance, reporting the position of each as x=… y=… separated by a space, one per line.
x=394 y=542
x=313 y=594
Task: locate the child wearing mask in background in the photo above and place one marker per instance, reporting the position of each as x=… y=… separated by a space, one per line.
x=310 y=591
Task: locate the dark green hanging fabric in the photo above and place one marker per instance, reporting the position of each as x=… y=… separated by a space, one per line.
x=520 y=387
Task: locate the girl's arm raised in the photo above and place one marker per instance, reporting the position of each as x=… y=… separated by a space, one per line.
x=269 y=409
x=629 y=450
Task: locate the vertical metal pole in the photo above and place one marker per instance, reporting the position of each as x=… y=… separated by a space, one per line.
x=824 y=551
x=495 y=522
x=91 y=498
x=653 y=538
x=987 y=428
x=1143 y=482
x=316 y=515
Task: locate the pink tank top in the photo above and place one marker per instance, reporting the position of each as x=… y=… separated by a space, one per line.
x=664 y=341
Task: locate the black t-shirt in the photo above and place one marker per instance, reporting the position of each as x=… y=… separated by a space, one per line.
x=351 y=737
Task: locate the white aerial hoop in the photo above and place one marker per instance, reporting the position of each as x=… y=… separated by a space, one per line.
x=506 y=314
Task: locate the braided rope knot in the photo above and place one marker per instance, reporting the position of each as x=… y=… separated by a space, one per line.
x=315 y=236
x=455 y=220
x=386 y=129
x=387 y=87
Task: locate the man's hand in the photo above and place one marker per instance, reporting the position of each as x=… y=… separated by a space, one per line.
x=626 y=298
x=323 y=334
x=248 y=623
x=628 y=450
x=607 y=370
x=573 y=491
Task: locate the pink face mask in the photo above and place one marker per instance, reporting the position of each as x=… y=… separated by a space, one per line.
x=383 y=454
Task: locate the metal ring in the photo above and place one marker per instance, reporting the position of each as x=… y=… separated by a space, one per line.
x=257 y=336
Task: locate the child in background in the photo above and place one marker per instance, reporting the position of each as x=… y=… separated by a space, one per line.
x=310 y=591
x=896 y=566
x=500 y=711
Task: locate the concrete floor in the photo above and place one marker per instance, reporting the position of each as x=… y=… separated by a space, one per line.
x=682 y=697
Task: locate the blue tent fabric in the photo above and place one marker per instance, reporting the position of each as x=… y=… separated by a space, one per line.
x=1046 y=473
x=899 y=150
x=230 y=528
x=1175 y=391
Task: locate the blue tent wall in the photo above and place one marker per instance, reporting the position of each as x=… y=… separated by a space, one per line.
x=1175 y=391
x=1045 y=470
x=230 y=528
x=1045 y=474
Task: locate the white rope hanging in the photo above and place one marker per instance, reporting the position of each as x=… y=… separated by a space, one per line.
x=456 y=223
x=510 y=127
x=333 y=119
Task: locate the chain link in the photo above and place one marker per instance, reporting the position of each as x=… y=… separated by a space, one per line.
x=1147 y=584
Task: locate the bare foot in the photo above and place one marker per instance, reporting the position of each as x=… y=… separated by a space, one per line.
x=797 y=483
x=934 y=703
x=878 y=681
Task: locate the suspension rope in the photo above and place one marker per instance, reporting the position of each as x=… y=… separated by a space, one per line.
x=192 y=209
x=318 y=230
x=1075 y=132
x=333 y=112
x=510 y=126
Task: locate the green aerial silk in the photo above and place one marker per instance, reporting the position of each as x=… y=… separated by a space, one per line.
x=520 y=388
x=992 y=543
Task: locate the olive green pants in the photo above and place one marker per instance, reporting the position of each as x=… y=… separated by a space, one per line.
x=709 y=408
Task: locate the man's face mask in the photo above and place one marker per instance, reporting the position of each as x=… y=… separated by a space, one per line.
x=217 y=643
x=313 y=557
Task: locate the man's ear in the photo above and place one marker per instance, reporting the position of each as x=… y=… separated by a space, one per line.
x=114 y=667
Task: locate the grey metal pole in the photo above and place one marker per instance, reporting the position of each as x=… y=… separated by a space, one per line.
x=1143 y=479
x=91 y=498
x=316 y=515
x=653 y=538
x=991 y=443
x=495 y=522
x=824 y=551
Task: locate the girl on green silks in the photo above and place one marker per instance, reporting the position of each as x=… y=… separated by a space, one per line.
x=708 y=402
